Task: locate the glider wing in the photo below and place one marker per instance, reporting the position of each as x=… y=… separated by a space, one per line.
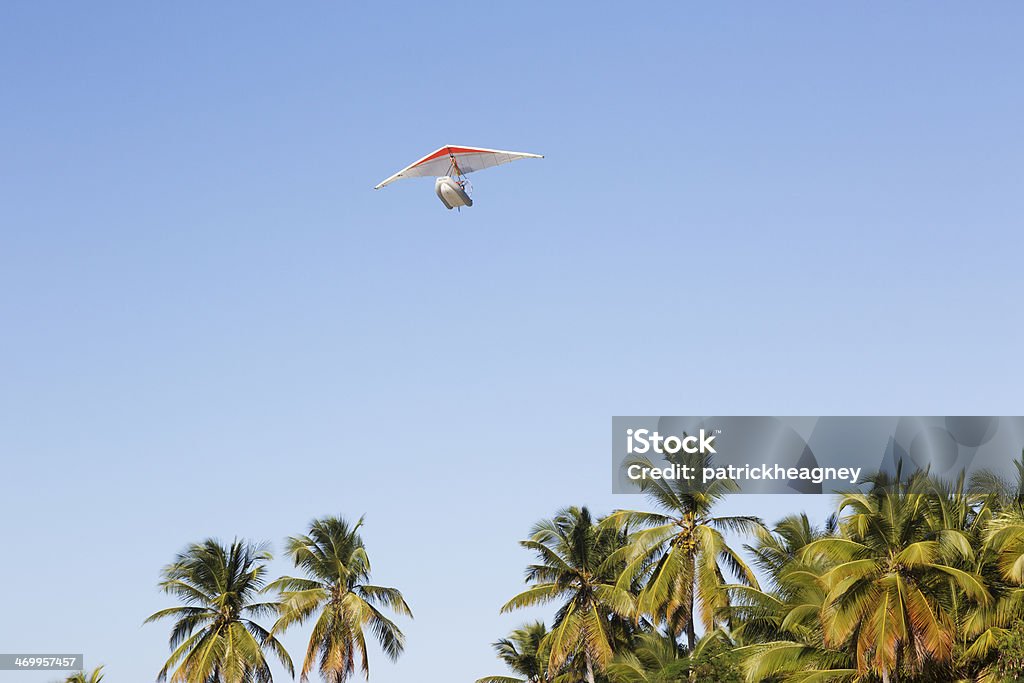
x=466 y=160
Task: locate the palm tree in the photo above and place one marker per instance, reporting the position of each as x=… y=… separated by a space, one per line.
x=779 y=629
x=337 y=570
x=906 y=575
x=652 y=656
x=573 y=567
x=894 y=583
x=215 y=639
x=525 y=652
x=997 y=534
x=655 y=657
x=1005 y=530
x=679 y=553
x=95 y=676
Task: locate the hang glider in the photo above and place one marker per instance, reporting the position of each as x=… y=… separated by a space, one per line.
x=450 y=164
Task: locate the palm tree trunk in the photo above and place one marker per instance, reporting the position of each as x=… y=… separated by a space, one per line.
x=590 y=667
x=691 y=631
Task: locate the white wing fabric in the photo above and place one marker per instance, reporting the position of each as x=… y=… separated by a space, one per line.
x=467 y=160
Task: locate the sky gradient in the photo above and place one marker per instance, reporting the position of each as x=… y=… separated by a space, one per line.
x=213 y=326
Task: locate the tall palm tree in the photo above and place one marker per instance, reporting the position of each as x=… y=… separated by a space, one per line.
x=573 y=567
x=525 y=652
x=94 y=676
x=893 y=587
x=903 y=587
x=336 y=588
x=679 y=552
x=215 y=638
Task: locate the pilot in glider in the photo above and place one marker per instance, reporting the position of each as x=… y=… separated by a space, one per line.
x=450 y=164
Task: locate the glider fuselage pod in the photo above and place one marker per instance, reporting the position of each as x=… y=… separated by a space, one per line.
x=451 y=192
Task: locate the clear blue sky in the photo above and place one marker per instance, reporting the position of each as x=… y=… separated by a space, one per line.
x=211 y=325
